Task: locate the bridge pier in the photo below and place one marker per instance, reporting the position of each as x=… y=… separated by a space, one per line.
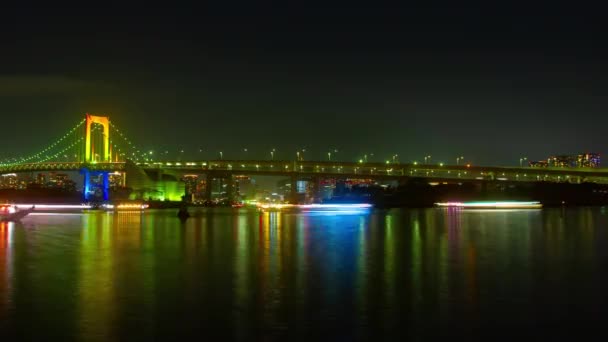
x=89 y=186
x=105 y=185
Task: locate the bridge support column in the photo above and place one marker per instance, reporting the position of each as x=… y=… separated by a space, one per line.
x=86 y=188
x=89 y=186
x=105 y=184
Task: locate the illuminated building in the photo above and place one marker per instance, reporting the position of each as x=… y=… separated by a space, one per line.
x=57 y=180
x=9 y=181
x=195 y=187
x=327 y=187
x=563 y=161
x=579 y=160
x=201 y=186
x=589 y=160
x=245 y=187
x=298 y=194
x=191 y=183
x=540 y=163
x=284 y=187
x=117 y=180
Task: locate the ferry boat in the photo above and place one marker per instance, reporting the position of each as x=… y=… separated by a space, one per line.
x=125 y=206
x=492 y=205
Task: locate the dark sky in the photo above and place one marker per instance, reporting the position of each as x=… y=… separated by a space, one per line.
x=491 y=83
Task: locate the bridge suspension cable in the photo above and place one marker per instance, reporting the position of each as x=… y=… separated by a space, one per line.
x=51 y=151
x=126 y=148
x=63 y=151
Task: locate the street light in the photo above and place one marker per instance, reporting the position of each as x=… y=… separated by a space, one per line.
x=221 y=155
x=395 y=157
x=427 y=159
x=297 y=155
x=459 y=159
x=329 y=156
x=272 y=154
x=521 y=161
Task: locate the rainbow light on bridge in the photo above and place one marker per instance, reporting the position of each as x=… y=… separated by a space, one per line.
x=492 y=205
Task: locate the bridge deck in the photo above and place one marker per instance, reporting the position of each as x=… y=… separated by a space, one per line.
x=341 y=169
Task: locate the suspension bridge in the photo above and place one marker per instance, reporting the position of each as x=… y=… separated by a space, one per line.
x=95 y=147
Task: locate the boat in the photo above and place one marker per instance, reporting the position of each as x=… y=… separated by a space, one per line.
x=492 y=205
x=125 y=206
x=183 y=213
x=10 y=213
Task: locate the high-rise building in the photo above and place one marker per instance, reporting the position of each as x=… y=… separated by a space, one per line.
x=589 y=160
x=191 y=182
x=579 y=160
x=244 y=187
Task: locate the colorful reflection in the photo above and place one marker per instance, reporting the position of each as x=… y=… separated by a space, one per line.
x=250 y=274
x=6 y=267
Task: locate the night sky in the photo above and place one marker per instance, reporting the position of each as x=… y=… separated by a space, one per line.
x=492 y=84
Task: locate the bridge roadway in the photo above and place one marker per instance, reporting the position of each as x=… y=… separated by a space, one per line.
x=305 y=169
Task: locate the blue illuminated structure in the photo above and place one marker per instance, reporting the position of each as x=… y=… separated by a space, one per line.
x=89 y=187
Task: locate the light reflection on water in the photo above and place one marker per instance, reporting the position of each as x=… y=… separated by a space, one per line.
x=273 y=275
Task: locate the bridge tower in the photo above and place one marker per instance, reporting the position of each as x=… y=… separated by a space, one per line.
x=104 y=121
x=89 y=157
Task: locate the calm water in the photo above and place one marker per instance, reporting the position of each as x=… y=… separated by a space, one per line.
x=278 y=276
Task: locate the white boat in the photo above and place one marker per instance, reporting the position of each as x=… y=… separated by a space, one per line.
x=492 y=205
